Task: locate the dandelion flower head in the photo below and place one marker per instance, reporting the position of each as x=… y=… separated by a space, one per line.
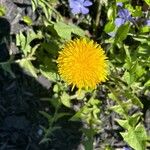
x=82 y=63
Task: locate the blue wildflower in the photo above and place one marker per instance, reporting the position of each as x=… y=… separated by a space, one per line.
x=124 y=15
x=147 y=22
x=79 y=6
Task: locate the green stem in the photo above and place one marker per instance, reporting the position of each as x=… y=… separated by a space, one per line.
x=96 y=22
x=99 y=7
x=16 y=61
x=119 y=102
x=90 y=139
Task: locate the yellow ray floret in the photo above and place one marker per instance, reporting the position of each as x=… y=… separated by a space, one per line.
x=82 y=63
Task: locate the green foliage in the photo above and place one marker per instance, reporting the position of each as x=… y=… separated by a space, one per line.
x=122 y=32
x=2 y=10
x=47 y=7
x=52 y=119
x=65 y=30
x=147 y=1
x=24 y=41
x=89 y=112
x=129 y=58
x=138 y=135
x=27 y=20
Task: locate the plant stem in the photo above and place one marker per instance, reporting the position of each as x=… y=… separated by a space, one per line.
x=16 y=61
x=119 y=102
x=99 y=7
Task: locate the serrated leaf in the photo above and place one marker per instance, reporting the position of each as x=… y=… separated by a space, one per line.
x=135 y=100
x=136 y=137
x=134 y=119
x=24 y=40
x=123 y=123
x=118 y=109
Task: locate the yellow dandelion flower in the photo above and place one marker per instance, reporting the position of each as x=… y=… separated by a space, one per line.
x=82 y=63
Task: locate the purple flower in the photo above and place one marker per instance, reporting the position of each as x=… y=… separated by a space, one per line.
x=147 y=22
x=124 y=15
x=79 y=6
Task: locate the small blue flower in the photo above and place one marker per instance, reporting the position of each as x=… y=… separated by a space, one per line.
x=79 y=6
x=124 y=15
x=147 y=22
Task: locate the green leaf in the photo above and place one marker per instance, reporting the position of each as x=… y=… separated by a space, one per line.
x=65 y=99
x=51 y=47
x=109 y=27
x=123 y=123
x=47 y=116
x=27 y=20
x=129 y=78
x=56 y=88
x=137 y=12
x=134 y=119
x=122 y=33
x=147 y=84
x=145 y=29
x=27 y=65
x=45 y=140
x=24 y=40
x=65 y=30
x=135 y=100
x=147 y=1
x=136 y=137
x=48 y=73
x=111 y=13
x=132 y=122
x=60 y=115
x=126 y=106
x=76 y=30
x=77 y=116
x=80 y=95
x=34 y=4
x=2 y=10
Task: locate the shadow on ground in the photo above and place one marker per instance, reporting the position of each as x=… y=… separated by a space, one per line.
x=20 y=94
